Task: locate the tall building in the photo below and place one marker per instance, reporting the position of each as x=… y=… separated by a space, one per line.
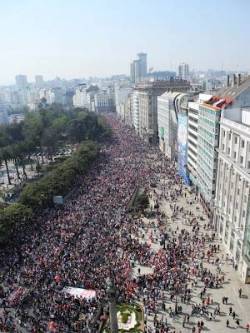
x=80 y=98
x=202 y=152
x=147 y=102
x=207 y=144
x=39 y=81
x=21 y=81
x=143 y=64
x=122 y=91
x=183 y=71
x=54 y=95
x=132 y=72
x=138 y=68
x=232 y=201
x=129 y=110
x=203 y=136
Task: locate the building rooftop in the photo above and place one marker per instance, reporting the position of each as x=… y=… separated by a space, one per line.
x=217 y=103
x=239 y=86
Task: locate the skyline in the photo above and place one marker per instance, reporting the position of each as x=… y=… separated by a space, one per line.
x=101 y=38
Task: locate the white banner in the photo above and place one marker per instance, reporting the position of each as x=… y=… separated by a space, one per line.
x=80 y=292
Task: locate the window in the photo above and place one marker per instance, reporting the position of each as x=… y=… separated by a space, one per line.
x=236 y=139
x=234 y=154
x=241 y=159
x=243 y=213
x=242 y=143
x=248 y=164
x=228 y=151
x=229 y=136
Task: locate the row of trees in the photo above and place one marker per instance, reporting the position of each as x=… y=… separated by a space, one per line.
x=42 y=133
x=39 y=194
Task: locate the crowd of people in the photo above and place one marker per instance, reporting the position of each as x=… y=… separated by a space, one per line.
x=92 y=239
x=187 y=261
x=80 y=245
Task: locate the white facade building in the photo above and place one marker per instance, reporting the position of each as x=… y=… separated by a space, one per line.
x=55 y=95
x=183 y=71
x=232 y=201
x=121 y=100
x=104 y=102
x=138 y=68
x=80 y=98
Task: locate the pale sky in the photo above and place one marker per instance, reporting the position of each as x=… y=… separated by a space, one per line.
x=81 y=38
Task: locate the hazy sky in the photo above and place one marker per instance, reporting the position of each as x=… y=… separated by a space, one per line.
x=79 y=38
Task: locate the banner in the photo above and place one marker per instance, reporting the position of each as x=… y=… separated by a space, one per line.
x=80 y=292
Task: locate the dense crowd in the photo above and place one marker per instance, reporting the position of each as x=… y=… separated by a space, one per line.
x=80 y=245
x=93 y=239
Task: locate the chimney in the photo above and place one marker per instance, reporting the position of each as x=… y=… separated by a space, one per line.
x=239 y=79
x=228 y=81
x=234 y=80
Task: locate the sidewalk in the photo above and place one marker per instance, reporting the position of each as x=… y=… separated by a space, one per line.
x=230 y=288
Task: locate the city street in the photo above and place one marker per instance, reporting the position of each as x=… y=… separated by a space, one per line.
x=162 y=262
x=229 y=288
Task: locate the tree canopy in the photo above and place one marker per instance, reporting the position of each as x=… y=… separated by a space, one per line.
x=43 y=132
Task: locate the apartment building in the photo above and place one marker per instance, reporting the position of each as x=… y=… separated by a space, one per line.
x=232 y=200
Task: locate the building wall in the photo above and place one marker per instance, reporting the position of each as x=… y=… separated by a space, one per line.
x=193 y=110
x=232 y=192
x=80 y=98
x=129 y=111
x=164 y=130
x=147 y=93
x=170 y=105
x=148 y=124
x=104 y=102
x=183 y=71
x=135 y=110
x=207 y=142
x=3 y=113
x=172 y=128
x=121 y=100
x=182 y=136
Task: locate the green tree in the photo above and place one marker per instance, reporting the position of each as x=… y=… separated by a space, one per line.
x=6 y=156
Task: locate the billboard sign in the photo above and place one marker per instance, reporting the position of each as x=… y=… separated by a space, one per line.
x=182 y=146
